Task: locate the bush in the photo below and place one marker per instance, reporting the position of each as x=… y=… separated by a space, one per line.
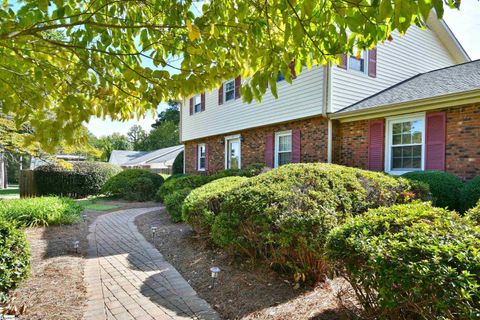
x=83 y=179
x=174 y=202
x=474 y=213
x=41 y=211
x=203 y=204
x=445 y=187
x=121 y=184
x=14 y=257
x=180 y=182
x=413 y=260
x=226 y=173
x=285 y=214
x=177 y=167
x=470 y=194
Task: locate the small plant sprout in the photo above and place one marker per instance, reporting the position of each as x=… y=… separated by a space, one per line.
x=214 y=271
x=76 y=244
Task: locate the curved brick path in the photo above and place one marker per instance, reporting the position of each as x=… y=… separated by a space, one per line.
x=127 y=278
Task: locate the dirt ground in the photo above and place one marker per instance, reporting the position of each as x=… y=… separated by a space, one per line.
x=55 y=288
x=242 y=290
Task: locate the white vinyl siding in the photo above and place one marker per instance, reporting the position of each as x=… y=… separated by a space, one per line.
x=303 y=98
x=416 y=52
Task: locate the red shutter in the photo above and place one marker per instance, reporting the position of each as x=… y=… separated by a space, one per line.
x=203 y=101
x=206 y=157
x=435 y=133
x=343 y=64
x=376 y=144
x=372 y=62
x=191 y=106
x=220 y=95
x=238 y=82
x=296 y=146
x=292 y=69
x=269 y=150
x=195 y=155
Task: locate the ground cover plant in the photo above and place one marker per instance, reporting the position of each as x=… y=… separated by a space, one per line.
x=42 y=211
x=133 y=184
x=83 y=178
x=411 y=261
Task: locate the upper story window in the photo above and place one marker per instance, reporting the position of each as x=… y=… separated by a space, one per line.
x=280 y=76
x=229 y=87
x=283 y=148
x=405 y=144
x=358 y=63
x=363 y=63
x=202 y=155
x=197 y=103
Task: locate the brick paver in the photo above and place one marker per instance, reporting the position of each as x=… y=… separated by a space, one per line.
x=127 y=278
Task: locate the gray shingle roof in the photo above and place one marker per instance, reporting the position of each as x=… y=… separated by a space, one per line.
x=454 y=79
x=157 y=156
x=120 y=157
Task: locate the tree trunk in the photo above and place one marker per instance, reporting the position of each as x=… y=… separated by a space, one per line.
x=2 y=171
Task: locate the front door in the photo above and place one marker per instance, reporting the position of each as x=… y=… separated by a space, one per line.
x=233 y=154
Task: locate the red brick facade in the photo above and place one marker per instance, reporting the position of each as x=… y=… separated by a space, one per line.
x=313 y=144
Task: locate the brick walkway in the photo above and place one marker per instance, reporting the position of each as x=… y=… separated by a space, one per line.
x=127 y=278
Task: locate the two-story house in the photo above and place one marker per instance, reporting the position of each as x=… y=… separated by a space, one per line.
x=409 y=104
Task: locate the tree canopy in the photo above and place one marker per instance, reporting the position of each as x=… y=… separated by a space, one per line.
x=63 y=61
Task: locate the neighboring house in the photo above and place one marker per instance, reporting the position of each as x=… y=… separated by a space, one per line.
x=159 y=160
x=387 y=111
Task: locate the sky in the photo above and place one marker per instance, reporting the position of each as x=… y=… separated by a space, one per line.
x=464 y=23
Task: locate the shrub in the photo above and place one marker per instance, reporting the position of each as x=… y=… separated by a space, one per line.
x=226 y=173
x=470 y=194
x=412 y=260
x=203 y=204
x=121 y=184
x=445 y=187
x=474 y=213
x=14 y=257
x=174 y=202
x=180 y=182
x=285 y=214
x=177 y=167
x=40 y=211
x=255 y=169
x=84 y=178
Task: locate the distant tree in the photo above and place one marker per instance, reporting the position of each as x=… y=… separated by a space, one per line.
x=163 y=136
x=171 y=114
x=136 y=135
x=106 y=144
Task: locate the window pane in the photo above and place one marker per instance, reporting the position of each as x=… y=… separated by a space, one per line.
x=202 y=163
x=396 y=163
x=417 y=137
x=417 y=151
x=285 y=143
x=408 y=157
x=407 y=127
x=417 y=163
x=406 y=138
x=284 y=158
x=397 y=139
x=356 y=64
x=397 y=128
x=229 y=90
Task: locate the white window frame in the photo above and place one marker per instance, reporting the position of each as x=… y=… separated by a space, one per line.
x=227 y=140
x=365 y=71
x=195 y=97
x=225 y=91
x=389 y=137
x=199 y=156
x=277 y=144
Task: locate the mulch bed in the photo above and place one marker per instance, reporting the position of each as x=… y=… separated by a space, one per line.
x=243 y=290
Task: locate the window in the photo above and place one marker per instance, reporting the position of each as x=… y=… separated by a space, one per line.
x=201 y=157
x=233 y=152
x=229 y=88
x=358 y=63
x=197 y=103
x=405 y=140
x=283 y=148
x=280 y=76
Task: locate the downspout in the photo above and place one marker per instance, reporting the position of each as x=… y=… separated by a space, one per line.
x=327 y=81
x=180 y=125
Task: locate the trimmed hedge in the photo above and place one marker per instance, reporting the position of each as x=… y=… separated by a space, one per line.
x=470 y=194
x=83 y=179
x=474 y=213
x=14 y=257
x=174 y=201
x=203 y=204
x=445 y=187
x=413 y=260
x=42 y=211
x=173 y=184
x=284 y=215
x=133 y=184
x=177 y=167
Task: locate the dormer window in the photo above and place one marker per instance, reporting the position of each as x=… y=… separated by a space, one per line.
x=358 y=63
x=229 y=87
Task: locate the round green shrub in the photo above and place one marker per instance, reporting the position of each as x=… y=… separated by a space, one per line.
x=445 y=187
x=255 y=169
x=226 y=173
x=173 y=203
x=140 y=189
x=14 y=257
x=284 y=215
x=120 y=185
x=177 y=167
x=470 y=194
x=413 y=260
x=180 y=182
x=474 y=213
x=203 y=203
x=83 y=178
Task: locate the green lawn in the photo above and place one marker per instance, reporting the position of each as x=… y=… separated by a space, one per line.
x=94 y=206
x=10 y=192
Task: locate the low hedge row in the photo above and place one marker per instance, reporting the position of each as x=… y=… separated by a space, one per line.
x=133 y=184
x=83 y=178
x=413 y=260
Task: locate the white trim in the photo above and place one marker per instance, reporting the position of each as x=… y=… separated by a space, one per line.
x=199 y=148
x=329 y=141
x=277 y=136
x=388 y=140
x=227 y=140
x=225 y=91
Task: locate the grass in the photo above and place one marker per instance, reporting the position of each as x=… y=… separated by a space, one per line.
x=10 y=192
x=91 y=204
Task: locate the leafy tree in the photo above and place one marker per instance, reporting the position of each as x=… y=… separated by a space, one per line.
x=165 y=135
x=172 y=114
x=63 y=61
x=106 y=144
x=136 y=135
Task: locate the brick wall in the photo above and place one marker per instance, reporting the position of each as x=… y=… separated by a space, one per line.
x=313 y=144
x=350 y=143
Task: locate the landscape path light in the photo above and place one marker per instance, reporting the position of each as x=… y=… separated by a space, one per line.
x=153 y=230
x=214 y=272
x=76 y=243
